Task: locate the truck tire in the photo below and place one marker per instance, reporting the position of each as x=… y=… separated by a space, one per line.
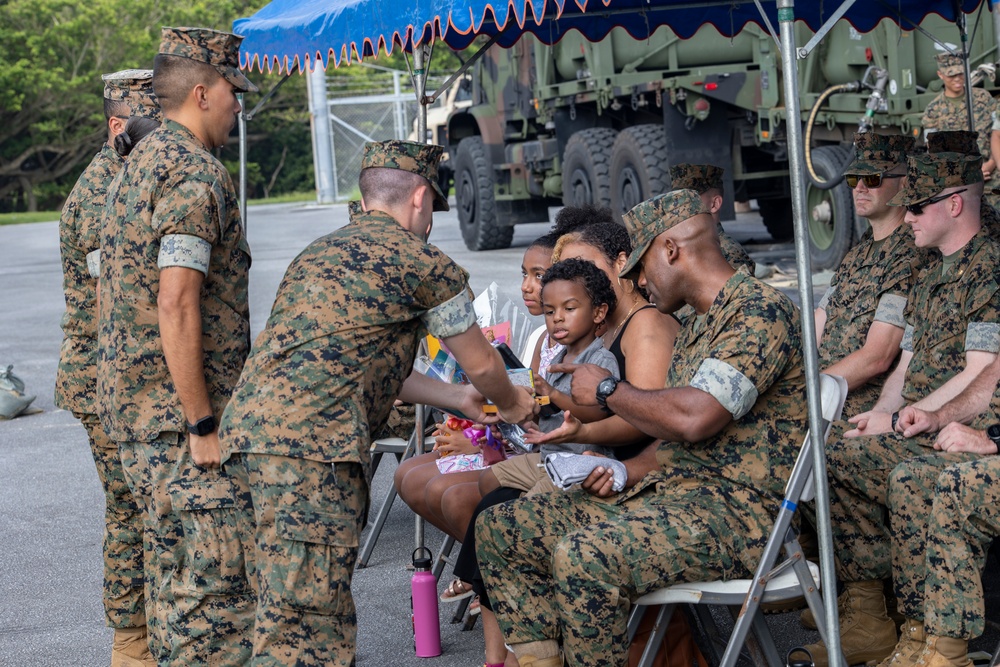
x=586 y=168
x=477 y=215
x=777 y=217
x=638 y=166
x=830 y=213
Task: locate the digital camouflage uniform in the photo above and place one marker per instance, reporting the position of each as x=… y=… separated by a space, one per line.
x=949 y=113
x=947 y=317
x=565 y=566
x=174 y=205
x=322 y=378
x=76 y=376
x=874 y=280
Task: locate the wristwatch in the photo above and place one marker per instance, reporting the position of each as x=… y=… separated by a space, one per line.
x=605 y=388
x=993 y=433
x=203 y=426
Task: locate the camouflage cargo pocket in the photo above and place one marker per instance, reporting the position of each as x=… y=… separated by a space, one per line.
x=213 y=554
x=320 y=552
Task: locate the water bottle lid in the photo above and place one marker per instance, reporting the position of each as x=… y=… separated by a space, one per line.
x=422 y=562
x=804 y=659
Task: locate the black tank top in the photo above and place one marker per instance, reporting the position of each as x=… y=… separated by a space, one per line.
x=628 y=451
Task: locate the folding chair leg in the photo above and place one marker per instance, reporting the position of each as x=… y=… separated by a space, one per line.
x=634 y=618
x=656 y=636
x=442 y=556
x=383 y=514
x=765 y=641
x=710 y=630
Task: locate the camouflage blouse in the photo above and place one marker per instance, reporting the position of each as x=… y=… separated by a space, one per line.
x=341 y=339
x=173 y=204
x=76 y=377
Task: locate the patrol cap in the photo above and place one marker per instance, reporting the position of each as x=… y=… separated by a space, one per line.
x=878 y=153
x=134 y=87
x=949 y=64
x=930 y=174
x=221 y=50
x=650 y=218
x=964 y=142
x=421 y=159
x=698 y=177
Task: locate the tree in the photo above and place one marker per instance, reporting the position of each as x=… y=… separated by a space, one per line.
x=52 y=55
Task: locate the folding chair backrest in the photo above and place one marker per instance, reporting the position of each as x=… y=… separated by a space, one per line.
x=530 y=344
x=832 y=394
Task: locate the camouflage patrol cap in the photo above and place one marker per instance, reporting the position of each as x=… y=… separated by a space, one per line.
x=221 y=50
x=650 y=218
x=421 y=159
x=964 y=142
x=878 y=153
x=949 y=64
x=930 y=174
x=698 y=177
x=134 y=87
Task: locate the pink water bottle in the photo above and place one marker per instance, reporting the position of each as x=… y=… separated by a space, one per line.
x=424 y=602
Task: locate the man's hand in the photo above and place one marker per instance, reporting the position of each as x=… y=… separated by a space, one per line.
x=956 y=437
x=869 y=423
x=586 y=377
x=914 y=421
x=205 y=450
x=471 y=406
x=565 y=433
x=599 y=482
x=522 y=411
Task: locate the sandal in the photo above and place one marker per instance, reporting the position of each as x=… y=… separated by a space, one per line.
x=474 y=607
x=457 y=590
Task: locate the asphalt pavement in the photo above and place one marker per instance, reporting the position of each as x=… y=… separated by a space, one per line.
x=51 y=504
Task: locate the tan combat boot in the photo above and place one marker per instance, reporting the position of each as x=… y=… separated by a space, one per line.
x=131 y=648
x=867 y=634
x=808 y=621
x=945 y=652
x=911 y=645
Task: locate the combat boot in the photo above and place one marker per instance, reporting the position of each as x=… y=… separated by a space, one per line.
x=131 y=648
x=808 y=621
x=911 y=645
x=945 y=652
x=867 y=635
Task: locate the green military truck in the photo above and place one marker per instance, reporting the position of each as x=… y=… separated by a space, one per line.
x=581 y=122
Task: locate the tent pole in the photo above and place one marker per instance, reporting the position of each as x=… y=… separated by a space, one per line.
x=319 y=110
x=810 y=358
x=243 y=160
x=963 y=31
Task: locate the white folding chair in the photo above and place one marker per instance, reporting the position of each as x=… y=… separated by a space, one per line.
x=785 y=581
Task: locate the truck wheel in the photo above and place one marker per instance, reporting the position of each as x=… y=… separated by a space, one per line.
x=638 y=166
x=830 y=213
x=477 y=215
x=586 y=175
x=777 y=217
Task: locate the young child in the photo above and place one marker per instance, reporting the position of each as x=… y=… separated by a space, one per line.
x=576 y=297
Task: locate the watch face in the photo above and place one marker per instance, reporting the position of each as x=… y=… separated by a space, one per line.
x=994 y=432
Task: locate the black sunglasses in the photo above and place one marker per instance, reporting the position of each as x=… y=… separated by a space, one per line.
x=918 y=208
x=870 y=180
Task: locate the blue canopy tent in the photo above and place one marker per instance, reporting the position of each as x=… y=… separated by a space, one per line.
x=290 y=35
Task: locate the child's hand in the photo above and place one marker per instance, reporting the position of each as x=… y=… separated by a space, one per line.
x=449 y=443
x=565 y=433
x=542 y=388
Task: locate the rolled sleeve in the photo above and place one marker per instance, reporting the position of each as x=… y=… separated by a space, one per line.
x=890 y=310
x=452 y=317
x=184 y=250
x=94 y=263
x=730 y=387
x=907 y=342
x=982 y=336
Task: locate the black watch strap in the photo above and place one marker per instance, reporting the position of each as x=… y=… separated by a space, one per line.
x=895 y=420
x=203 y=426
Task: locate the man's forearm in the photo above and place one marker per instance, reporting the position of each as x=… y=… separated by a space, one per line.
x=675 y=415
x=180 y=335
x=974 y=400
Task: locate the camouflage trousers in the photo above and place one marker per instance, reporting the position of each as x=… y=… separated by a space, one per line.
x=309 y=515
x=565 y=566
x=945 y=514
x=122 y=548
x=200 y=602
x=858 y=470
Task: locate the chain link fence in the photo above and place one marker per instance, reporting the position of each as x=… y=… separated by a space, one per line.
x=379 y=107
